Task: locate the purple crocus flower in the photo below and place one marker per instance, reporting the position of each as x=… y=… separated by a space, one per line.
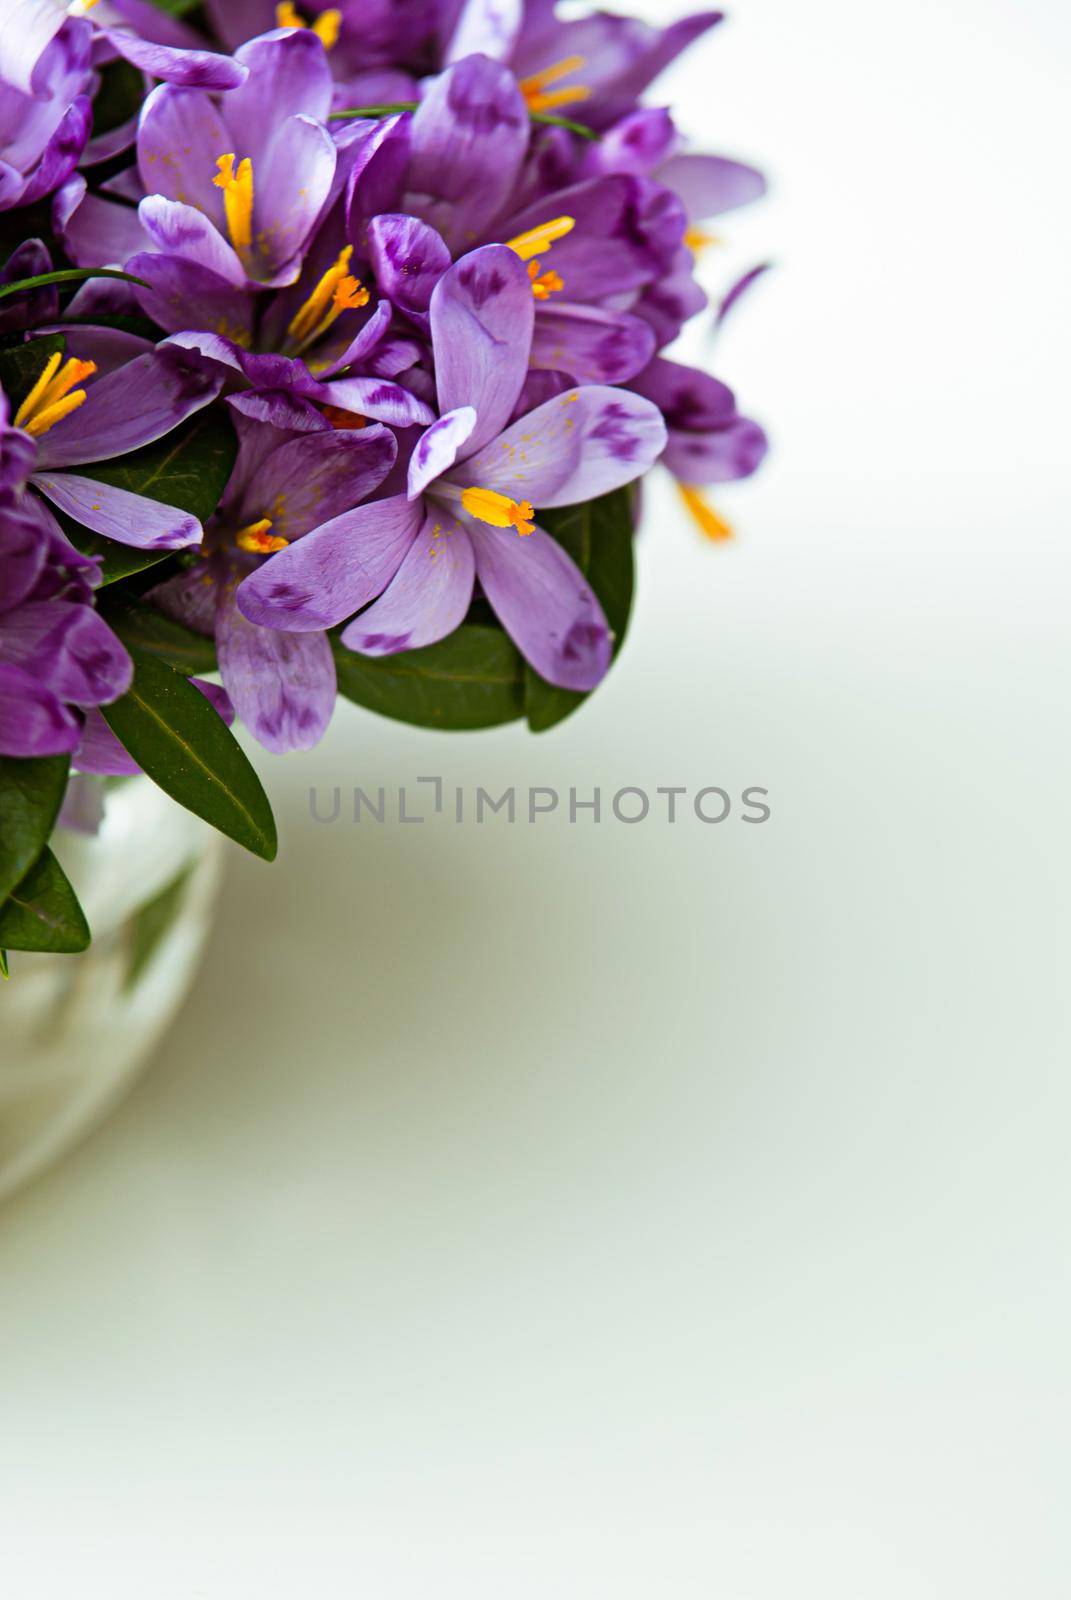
x=58 y=658
x=296 y=480
x=45 y=110
x=113 y=396
x=473 y=481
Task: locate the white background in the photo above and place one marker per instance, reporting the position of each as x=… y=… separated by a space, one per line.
x=619 y=1213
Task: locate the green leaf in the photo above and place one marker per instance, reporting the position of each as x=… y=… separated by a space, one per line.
x=544 y=118
x=176 y=8
x=145 y=628
x=189 y=468
x=23 y=364
x=68 y=275
x=473 y=679
x=31 y=793
x=151 y=923
x=550 y=121
x=118 y=560
x=185 y=746
x=4 y=969
x=598 y=536
x=43 y=913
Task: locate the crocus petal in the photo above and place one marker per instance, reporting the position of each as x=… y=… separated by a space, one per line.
x=33 y=722
x=438 y=448
x=711 y=185
x=426 y=599
x=183 y=295
x=29 y=309
x=25 y=36
x=60 y=156
x=583 y=444
x=289 y=76
x=282 y=685
x=118 y=514
x=69 y=649
x=628 y=231
x=638 y=144
x=408 y=258
x=487 y=28
x=235 y=21
x=131 y=407
x=482 y=315
x=95 y=232
x=181 y=230
x=740 y=288
x=316 y=477
x=327 y=576
x=181 y=137
x=23 y=553
x=470 y=136
x=377 y=162
x=591 y=345
x=195 y=69
x=297 y=170
x=101 y=753
x=108 y=348
x=722 y=456
x=545 y=604
x=376 y=398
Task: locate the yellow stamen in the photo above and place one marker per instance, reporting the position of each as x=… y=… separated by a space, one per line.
x=54 y=395
x=698 y=240
x=537 y=241
x=327 y=27
x=237 y=200
x=498 y=510
x=544 y=284
x=335 y=293
x=259 y=540
x=534 y=87
x=706 y=518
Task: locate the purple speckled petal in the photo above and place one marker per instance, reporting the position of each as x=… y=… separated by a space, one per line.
x=33 y=721
x=688 y=398
x=181 y=230
x=426 y=599
x=722 y=456
x=591 y=345
x=23 y=552
x=470 y=137
x=315 y=478
x=296 y=169
x=545 y=604
x=482 y=315
x=185 y=295
x=183 y=120
x=377 y=161
x=61 y=154
x=628 y=231
x=108 y=348
x=376 y=398
x=408 y=258
x=118 y=514
x=289 y=76
x=638 y=144
x=69 y=649
x=580 y=445
x=327 y=576
x=282 y=685
x=30 y=309
x=195 y=69
x=438 y=448
x=131 y=407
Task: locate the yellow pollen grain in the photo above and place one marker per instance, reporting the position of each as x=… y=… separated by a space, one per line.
x=537 y=241
x=54 y=395
x=237 y=186
x=258 y=539
x=498 y=510
x=705 y=517
x=541 y=97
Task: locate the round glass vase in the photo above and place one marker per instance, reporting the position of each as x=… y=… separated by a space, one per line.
x=74 y=1030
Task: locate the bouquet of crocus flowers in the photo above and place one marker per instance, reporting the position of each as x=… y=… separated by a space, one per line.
x=329 y=363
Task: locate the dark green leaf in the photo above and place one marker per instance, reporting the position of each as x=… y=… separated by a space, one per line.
x=152 y=921
x=31 y=793
x=23 y=364
x=67 y=275
x=4 y=971
x=185 y=746
x=43 y=913
x=189 y=468
x=176 y=8
x=473 y=679
x=598 y=536
x=145 y=628
x=117 y=560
